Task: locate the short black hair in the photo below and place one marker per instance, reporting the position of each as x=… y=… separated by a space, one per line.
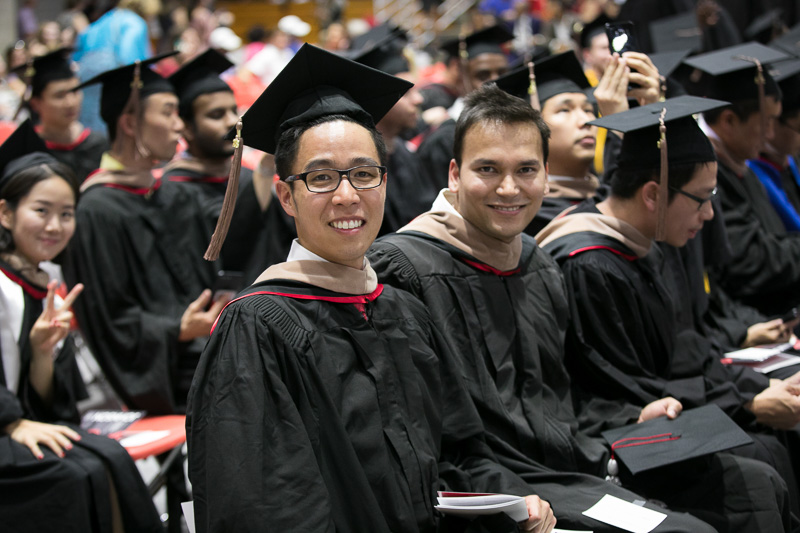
x=21 y=184
x=289 y=140
x=743 y=109
x=492 y=104
x=626 y=181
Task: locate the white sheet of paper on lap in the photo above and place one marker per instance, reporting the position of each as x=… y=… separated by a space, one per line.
x=475 y=504
x=758 y=353
x=624 y=515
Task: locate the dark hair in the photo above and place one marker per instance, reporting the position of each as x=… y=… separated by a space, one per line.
x=743 y=109
x=21 y=184
x=625 y=182
x=288 y=142
x=492 y=104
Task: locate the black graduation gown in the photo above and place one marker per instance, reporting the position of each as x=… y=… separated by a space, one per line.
x=69 y=494
x=436 y=152
x=437 y=95
x=507 y=332
x=409 y=192
x=140 y=257
x=83 y=156
x=256 y=239
x=313 y=410
x=764 y=270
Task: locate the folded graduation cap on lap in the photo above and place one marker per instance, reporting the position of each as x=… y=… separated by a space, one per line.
x=661 y=442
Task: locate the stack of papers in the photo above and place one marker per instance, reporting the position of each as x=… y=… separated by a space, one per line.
x=764 y=358
x=471 y=504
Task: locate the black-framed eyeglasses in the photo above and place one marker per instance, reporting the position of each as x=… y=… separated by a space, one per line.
x=328 y=179
x=700 y=201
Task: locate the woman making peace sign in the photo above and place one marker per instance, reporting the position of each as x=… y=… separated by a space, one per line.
x=53 y=476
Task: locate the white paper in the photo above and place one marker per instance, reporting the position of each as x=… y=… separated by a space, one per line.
x=624 y=515
x=516 y=508
x=140 y=438
x=775 y=362
x=188 y=514
x=758 y=353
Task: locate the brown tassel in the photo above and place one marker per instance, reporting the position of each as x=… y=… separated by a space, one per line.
x=132 y=108
x=229 y=203
x=663 y=182
x=463 y=57
x=762 y=98
x=533 y=94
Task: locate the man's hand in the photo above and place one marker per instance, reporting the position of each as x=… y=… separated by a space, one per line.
x=540 y=516
x=768 y=333
x=612 y=90
x=645 y=75
x=669 y=407
x=196 y=322
x=53 y=324
x=778 y=405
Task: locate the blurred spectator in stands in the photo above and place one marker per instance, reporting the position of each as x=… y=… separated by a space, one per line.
x=27 y=23
x=74 y=16
x=117 y=38
x=256 y=39
x=297 y=30
x=335 y=38
x=267 y=63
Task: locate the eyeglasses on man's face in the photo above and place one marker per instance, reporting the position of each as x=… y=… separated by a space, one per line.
x=700 y=201
x=328 y=179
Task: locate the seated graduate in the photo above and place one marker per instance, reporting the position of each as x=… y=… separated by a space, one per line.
x=54 y=99
x=260 y=233
x=764 y=270
x=318 y=404
x=143 y=311
x=499 y=300
x=480 y=58
x=776 y=166
x=623 y=341
x=53 y=475
x=408 y=190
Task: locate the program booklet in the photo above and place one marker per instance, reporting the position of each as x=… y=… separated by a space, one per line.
x=103 y=422
x=471 y=504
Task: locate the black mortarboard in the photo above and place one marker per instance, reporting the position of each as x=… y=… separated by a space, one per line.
x=789 y=42
x=667 y=62
x=117 y=84
x=50 y=67
x=316 y=83
x=386 y=55
x=669 y=121
x=380 y=34
x=765 y=27
x=556 y=74
x=661 y=441
x=537 y=53
x=593 y=28
x=679 y=32
x=199 y=76
x=486 y=41
x=23 y=149
x=730 y=74
x=787 y=75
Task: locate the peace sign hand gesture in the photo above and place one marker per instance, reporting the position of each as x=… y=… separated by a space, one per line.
x=53 y=324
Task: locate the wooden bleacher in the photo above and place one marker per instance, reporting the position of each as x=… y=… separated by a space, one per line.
x=266 y=13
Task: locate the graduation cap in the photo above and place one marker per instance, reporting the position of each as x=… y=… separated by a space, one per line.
x=766 y=27
x=668 y=62
x=117 y=86
x=665 y=134
x=662 y=442
x=199 y=76
x=486 y=41
x=787 y=75
x=23 y=149
x=378 y=35
x=314 y=84
x=679 y=32
x=789 y=42
x=386 y=55
x=592 y=29
x=554 y=75
x=53 y=66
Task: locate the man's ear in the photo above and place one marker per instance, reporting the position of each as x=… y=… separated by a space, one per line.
x=6 y=215
x=36 y=104
x=126 y=123
x=283 y=191
x=454 y=176
x=649 y=195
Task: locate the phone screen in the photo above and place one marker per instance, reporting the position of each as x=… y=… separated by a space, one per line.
x=621 y=38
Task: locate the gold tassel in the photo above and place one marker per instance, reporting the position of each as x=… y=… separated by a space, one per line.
x=533 y=94
x=229 y=203
x=760 y=81
x=463 y=57
x=663 y=182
